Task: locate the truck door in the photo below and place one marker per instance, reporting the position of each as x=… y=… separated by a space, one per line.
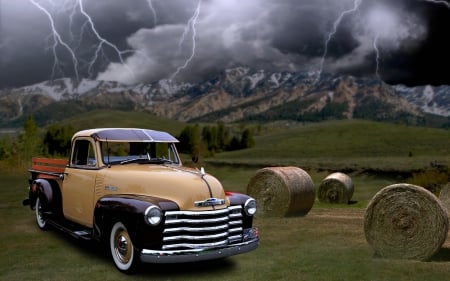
x=79 y=183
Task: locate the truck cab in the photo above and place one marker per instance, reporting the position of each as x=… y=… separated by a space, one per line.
x=127 y=187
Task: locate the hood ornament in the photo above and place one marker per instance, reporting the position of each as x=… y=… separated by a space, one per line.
x=209 y=202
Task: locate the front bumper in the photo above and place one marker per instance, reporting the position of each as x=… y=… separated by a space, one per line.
x=193 y=255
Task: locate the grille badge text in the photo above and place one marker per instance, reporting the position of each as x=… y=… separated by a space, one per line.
x=209 y=202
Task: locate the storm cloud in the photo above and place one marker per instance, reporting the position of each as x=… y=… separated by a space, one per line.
x=142 y=41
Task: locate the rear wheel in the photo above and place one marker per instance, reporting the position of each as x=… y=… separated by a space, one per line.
x=122 y=249
x=40 y=220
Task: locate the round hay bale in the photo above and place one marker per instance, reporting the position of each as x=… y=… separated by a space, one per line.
x=444 y=196
x=405 y=221
x=336 y=188
x=282 y=191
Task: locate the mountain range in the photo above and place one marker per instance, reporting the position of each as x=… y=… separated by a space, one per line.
x=238 y=94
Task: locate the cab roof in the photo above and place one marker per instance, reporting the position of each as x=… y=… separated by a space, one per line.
x=126 y=135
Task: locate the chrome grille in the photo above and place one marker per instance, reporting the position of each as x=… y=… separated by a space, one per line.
x=202 y=229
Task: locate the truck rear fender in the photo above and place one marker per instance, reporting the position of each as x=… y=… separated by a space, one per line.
x=40 y=188
x=130 y=210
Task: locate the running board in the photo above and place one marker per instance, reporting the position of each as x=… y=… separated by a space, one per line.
x=75 y=231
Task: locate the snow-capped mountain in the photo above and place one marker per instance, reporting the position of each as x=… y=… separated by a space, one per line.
x=434 y=100
x=236 y=94
x=66 y=89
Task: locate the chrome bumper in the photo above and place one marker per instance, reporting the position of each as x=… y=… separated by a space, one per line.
x=192 y=255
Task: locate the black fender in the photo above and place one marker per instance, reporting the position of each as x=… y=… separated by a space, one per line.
x=40 y=188
x=49 y=192
x=237 y=198
x=130 y=210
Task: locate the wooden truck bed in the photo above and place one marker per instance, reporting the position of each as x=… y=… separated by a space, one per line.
x=48 y=167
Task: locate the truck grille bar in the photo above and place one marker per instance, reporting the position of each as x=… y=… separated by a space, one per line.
x=202 y=230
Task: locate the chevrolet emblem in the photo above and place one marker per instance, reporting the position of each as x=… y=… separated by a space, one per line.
x=209 y=202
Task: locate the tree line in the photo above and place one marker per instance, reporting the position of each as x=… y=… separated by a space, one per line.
x=211 y=139
x=16 y=151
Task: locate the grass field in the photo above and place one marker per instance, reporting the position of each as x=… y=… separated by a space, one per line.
x=326 y=244
x=349 y=144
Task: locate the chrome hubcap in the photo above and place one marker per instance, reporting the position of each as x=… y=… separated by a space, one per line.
x=122 y=247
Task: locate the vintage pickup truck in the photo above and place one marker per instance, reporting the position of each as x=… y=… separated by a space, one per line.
x=127 y=187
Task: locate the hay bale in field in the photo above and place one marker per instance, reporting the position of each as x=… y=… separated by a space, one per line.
x=444 y=196
x=336 y=188
x=405 y=221
x=282 y=191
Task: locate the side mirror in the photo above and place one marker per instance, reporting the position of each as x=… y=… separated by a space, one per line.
x=195 y=158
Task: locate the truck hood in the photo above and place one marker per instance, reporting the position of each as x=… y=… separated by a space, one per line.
x=182 y=185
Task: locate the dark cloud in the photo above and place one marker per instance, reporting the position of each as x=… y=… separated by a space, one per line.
x=144 y=40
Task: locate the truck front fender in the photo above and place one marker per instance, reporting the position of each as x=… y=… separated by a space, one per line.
x=130 y=210
x=240 y=199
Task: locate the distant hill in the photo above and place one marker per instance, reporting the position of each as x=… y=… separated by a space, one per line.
x=116 y=118
x=360 y=146
x=239 y=94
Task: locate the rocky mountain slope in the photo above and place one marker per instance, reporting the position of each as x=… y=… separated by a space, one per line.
x=237 y=94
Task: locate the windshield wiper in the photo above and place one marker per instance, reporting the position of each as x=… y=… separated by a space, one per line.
x=146 y=161
x=164 y=160
x=160 y=160
x=133 y=160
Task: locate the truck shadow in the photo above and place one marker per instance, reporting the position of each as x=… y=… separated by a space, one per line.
x=99 y=253
x=212 y=267
x=443 y=255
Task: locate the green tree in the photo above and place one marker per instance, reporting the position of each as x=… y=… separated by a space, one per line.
x=212 y=147
x=235 y=144
x=29 y=143
x=208 y=140
x=247 y=139
x=185 y=140
x=8 y=159
x=209 y=137
x=196 y=142
x=57 y=139
x=5 y=148
x=190 y=140
x=223 y=137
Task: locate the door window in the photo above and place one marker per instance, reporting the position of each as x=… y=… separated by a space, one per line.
x=83 y=154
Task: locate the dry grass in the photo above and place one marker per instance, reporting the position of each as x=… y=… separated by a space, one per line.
x=326 y=244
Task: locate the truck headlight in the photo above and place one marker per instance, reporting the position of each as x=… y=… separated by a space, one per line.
x=153 y=215
x=250 y=207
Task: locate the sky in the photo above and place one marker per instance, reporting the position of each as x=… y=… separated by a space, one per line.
x=142 y=41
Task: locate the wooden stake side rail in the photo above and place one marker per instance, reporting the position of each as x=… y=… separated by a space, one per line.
x=52 y=165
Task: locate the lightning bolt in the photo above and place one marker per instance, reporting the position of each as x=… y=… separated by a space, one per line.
x=356 y=4
x=68 y=6
x=190 y=26
x=57 y=40
x=440 y=2
x=152 y=9
x=2 y=40
x=102 y=41
x=74 y=8
x=377 y=60
x=72 y=12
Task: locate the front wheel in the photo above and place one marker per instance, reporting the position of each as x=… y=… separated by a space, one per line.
x=40 y=220
x=122 y=249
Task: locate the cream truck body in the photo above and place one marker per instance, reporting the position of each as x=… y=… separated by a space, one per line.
x=127 y=187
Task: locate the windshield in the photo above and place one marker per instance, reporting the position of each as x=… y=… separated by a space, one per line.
x=138 y=152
